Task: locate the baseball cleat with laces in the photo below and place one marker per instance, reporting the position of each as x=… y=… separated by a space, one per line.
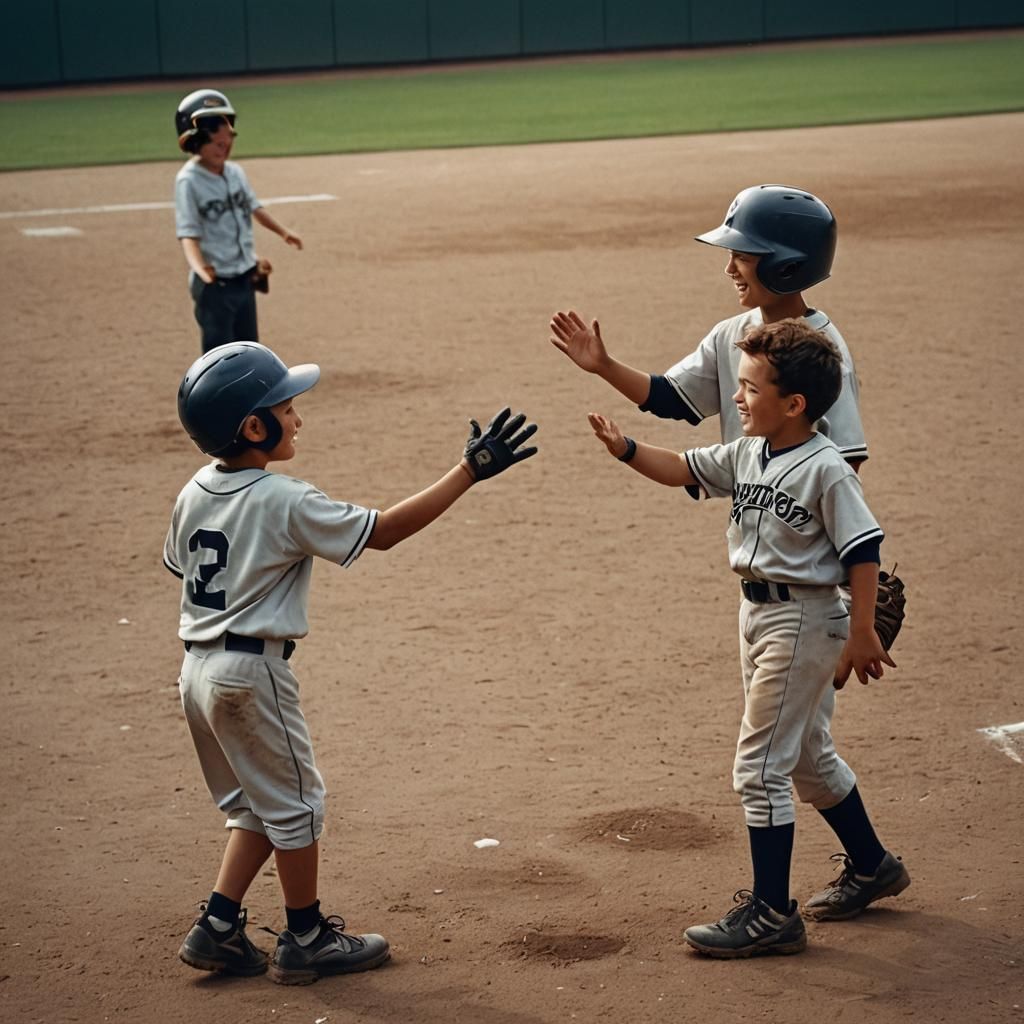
x=333 y=951
x=850 y=893
x=751 y=928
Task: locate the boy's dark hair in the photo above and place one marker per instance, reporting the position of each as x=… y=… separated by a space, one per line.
x=806 y=362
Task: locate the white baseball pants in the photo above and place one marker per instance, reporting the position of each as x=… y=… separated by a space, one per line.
x=253 y=744
x=788 y=653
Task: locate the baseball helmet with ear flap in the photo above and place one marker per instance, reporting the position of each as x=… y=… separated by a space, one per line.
x=199 y=104
x=222 y=388
x=792 y=231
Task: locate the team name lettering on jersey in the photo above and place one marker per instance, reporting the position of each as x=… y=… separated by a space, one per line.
x=214 y=209
x=765 y=497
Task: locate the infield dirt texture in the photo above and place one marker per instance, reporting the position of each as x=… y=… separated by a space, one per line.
x=554 y=663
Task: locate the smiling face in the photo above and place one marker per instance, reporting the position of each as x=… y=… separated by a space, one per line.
x=255 y=431
x=764 y=412
x=742 y=271
x=287 y=415
x=214 y=154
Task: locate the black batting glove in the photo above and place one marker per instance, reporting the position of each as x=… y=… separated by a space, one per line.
x=493 y=450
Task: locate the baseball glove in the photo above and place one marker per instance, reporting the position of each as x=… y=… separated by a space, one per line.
x=493 y=450
x=261 y=276
x=889 y=607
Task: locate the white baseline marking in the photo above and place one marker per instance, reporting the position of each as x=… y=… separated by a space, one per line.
x=62 y=232
x=1007 y=738
x=323 y=197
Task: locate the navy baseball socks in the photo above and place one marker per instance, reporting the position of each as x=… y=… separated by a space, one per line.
x=771 y=851
x=765 y=920
x=316 y=947
x=217 y=941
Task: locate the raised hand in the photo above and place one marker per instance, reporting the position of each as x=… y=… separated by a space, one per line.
x=582 y=344
x=608 y=431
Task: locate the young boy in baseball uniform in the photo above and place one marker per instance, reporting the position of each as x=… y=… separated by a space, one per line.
x=214 y=207
x=242 y=540
x=799 y=526
x=781 y=241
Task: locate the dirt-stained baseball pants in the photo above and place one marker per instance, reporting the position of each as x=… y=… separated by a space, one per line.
x=788 y=652
x=253 y=743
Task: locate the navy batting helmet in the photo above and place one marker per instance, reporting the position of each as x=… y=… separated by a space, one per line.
x=792 y=231
x=232 y=382
x=188 y=118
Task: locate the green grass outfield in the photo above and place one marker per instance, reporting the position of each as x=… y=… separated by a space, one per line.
x=537 y=101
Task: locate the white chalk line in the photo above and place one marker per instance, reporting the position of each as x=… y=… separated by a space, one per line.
x=323 y=197
x=1007 y=738
x=61 y=232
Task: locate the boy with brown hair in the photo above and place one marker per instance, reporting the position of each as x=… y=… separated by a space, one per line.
x=799 y=526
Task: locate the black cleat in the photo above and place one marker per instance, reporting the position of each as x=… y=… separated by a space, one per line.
x=850 y=893
x=331 y=952
x=751 y=928
x=234 y=954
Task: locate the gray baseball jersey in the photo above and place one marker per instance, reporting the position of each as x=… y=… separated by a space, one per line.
x=794 y=515
x=706 y=380
x=243 y=544
x=217 y=210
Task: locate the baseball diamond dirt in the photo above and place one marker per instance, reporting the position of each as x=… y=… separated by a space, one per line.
x=554 y=664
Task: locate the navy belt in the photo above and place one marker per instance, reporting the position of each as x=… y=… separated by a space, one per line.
x=244 y=644
x=764 y=593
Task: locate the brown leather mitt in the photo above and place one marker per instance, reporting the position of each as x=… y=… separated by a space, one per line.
x=890 y=607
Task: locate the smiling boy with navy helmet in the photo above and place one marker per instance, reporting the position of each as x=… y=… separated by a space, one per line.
x=781 y=242
x=242 y=540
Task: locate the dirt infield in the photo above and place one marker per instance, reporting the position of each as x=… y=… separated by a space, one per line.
x=554 y=663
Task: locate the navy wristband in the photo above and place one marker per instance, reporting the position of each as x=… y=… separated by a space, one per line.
x=630 y=451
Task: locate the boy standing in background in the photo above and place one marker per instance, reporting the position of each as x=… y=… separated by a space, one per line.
x=214 y=208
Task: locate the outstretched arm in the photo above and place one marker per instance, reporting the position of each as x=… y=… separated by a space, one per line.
x=585 y=347
x=264 y=218
x=420 y=510
x=487 y=453
x=863 y=653
x=661 y=465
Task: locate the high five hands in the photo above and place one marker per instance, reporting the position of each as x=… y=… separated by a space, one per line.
x=582 y=344
x=493 y=450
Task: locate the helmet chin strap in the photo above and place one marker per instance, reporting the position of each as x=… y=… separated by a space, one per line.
x=241 y=442
x=274 y=431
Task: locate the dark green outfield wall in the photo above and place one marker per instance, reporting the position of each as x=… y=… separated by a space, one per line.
x=44 y=42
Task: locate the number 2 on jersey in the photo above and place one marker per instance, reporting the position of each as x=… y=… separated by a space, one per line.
x=212 y=540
